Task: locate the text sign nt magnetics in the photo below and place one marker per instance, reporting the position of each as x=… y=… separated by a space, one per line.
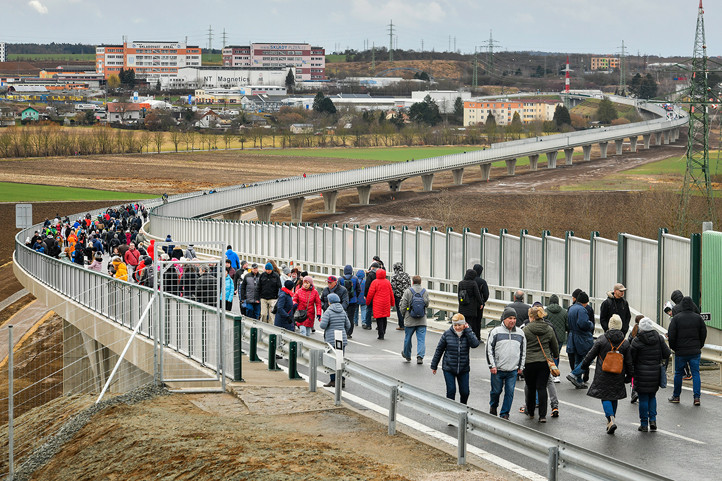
x=23 y=216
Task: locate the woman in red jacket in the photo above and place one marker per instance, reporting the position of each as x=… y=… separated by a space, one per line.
x=381 y=297
x=306 y=299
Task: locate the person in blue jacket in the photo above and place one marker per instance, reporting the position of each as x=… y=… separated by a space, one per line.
x=361 y=311
x=581 y=337
x=229 y=291
x=233 y=257
x=284 y=307
x=454 y=345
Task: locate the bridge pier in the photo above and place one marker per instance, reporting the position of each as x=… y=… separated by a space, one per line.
x=427 y=180
x=458 y=175
x=510 y=166
x=633 y=144
x=666 y=135
x=533 y=162
x=235 y=215
x=619 y=144
x=587 y=149
x=552 y=158
x=676 y=134
x=296 y=209
x=568 y=155
x=603 y=149
x=646 y=138
x=364 y=194
x=263 y=212
x=485 y=171
x=395 y=185
x=329 y=201
x=658 y=138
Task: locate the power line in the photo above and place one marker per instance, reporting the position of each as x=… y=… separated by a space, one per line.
x=490 y=44
x=622 y=73
x=391 y=41
x=210 y=39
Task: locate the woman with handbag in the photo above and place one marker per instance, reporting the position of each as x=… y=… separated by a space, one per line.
x=614 y=369
x=650 y=355
x=541 y=349
x=308 y=306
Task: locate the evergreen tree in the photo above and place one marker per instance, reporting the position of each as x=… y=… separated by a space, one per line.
x=290 y=80
x=635 y=85
x=459 y=110
x=561 y=116
x=606 y=112
x=426 y=112
x=648 y=87
x=317 y=101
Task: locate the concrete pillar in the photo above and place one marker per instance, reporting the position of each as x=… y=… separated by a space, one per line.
x=427 y=180
x=552 y=158
x=568 y=155
x=587 y=149
x=458 y=176
x=666 y=135
x=603 y=149
x=510 y=166
x=658 y=138
x=646 y=138
x=364 y=194
x=633 y=143
x=619 y=144
x=296 y=209
x=395 y=185
x=676 y=134
x=235 y=215
x=485 y=171
x=533 y=162
x=329 y=201
x=263 y=212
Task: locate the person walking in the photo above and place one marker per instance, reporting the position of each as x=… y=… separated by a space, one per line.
x=580 y=339
x=632 y=334
x=230 y=255
x=284 y=307
x=334 y=318
x=608 y=385
x=249 y=293
x=541 y=346
x=687 y=335
x=380 y=299
x=505 y=354
x=370 y=277
x=649 y=352
x=308 y=306
x=615 y=303
x=483 y=288
x=454 y=346
x=470 y=301
x=400 y=283
x=557 y=317
x=353 y=287
x=269 y=283
x=413 y=307
x=333 y=287
x=521 y=308
x=361 y=299
x=228 y=289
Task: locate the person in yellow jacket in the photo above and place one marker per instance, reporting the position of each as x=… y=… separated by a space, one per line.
x=121 y=270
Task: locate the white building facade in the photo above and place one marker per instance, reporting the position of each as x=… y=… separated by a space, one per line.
x=309 y=62
x=3 y=55
x=225 y=78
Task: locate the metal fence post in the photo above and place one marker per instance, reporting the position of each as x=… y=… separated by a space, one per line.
x=461 y=451
x=553 y=463
x=272 y=364
x=293 y=361
x=237 y=349
x=253 y=350
x=11 y=405
x=338 y=385
x=392 y=410
x=313 y=369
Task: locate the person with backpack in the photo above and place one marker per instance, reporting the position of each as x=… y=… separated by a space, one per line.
x=413 y=305
x=353 y=287
x=614 y=368
x=400 y=283
x=470 y=301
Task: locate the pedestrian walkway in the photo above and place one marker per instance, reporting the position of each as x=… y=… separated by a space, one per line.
x=25 y=322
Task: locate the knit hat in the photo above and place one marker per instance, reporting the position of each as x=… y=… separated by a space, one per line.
x=458 y=320
x=333 y=298
x=254 y=265
x=677 y=296
x=553 y=299
x=582 y=297
x=285 y=269
x=375 y=265
x=615 y=322
x=332 y=279
x=288 y=285
x=646 y=324
x=508 y=312
x=308 y=279
x=269 y=266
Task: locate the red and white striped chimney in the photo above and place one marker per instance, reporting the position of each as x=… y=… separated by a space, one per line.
x=567 y=85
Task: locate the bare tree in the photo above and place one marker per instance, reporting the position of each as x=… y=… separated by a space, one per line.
x=158 y=138
x=175 y=137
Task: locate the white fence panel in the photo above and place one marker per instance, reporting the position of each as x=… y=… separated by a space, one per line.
x=512 y=260
x=424 y=243
x=491 y=258
x=532 y=263
x=579 y=264
x=641 y=275
x=605 y=267
x=456 y=256
x=555 y=264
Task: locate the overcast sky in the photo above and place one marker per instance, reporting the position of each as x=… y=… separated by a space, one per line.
x=656 y=27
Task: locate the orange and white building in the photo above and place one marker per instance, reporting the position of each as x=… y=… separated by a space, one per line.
x=604 y=63
x=151 y=60
x=309 y=61
x=503 y=111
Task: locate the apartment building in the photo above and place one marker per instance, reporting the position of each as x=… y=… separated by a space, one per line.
x=309 y=61
x=604 y=63
x=503 y=111
x=151 y=60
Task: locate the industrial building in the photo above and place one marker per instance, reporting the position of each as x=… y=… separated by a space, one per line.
x=151 y=60
x=309 y=62
x=225 y=78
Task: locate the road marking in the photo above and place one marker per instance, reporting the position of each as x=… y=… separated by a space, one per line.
x=675 y=435
x=391 y=352
x=359 y=343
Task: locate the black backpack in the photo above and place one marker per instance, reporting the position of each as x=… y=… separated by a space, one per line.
x=464 y=298
x=417 y=309
x=348 y=284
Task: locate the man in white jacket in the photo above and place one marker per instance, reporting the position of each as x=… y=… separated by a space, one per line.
x=505 y=353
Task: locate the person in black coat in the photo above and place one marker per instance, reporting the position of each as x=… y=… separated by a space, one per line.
x=483 y=288
x=607 y=386
x=649 y=351
x=471 y=302
x=521 y=308
x=687 y=334
x=284 y=307
x=370 y=277
x=454 y=345
x=615 y=303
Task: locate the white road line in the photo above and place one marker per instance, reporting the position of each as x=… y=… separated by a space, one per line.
x=391 y=352
x=359 y=343
x=675 y=435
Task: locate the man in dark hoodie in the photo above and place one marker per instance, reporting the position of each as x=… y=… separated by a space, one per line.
x=400 y=282
x=676 y=298
x=483 y=288
x=370 y=277
x=353 y=286
x=470 y=301
x=687 y=334
x=615 y=303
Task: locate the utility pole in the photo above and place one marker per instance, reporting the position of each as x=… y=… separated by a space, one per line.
x=373 y=58
x=622 y=72
x=210 y=39
x=391 y=41
x=454 y=43
x=697 y=176
x=474 y=77
x=490 y=44
x=224 y=37
x=422 y=44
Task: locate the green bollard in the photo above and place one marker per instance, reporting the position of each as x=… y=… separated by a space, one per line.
x=237 y=357
x=272 y=364
x=253 y=351
x=293 y=361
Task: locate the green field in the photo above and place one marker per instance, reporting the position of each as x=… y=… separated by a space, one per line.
x=335 y=58
x=12 y=192
x=212 y=58
x=399 y=154
x=69 y=57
